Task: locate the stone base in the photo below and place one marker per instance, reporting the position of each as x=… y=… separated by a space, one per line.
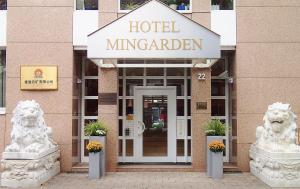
x=26 y=155
x=277 y=169
x=30 y=173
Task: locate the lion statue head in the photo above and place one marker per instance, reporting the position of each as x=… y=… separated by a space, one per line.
x=279 y=130
x=30 y=133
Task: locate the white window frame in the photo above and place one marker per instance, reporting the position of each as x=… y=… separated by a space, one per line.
x=180 y=11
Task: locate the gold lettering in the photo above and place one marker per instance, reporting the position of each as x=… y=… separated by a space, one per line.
x=145 y=26
x=178 y=44
x=144 y=44
x=197 y=43
x=131 y=44
x=156 y=23
x=154 y=45
x=186 y=44
x=134 y=26
x=165 y=27
x=164 y=44
x=173 y=28
x=111 y=46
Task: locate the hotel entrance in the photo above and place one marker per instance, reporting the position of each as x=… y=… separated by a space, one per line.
x=154 y=113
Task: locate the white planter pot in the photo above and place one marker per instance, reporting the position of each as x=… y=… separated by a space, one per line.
x=95 y=165
x=173 y=6
x=102 y=140
x=209 y=139
x=217 y=165
x=215 y=7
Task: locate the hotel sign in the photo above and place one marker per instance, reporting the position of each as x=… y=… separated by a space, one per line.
x=153 y=31
x=38 y=77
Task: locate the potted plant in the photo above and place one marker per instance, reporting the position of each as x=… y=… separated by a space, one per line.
x=215 y=130
x=217 y=148
x=97 y=131
x=172 y=4
x=95 y=149
x=215 y=5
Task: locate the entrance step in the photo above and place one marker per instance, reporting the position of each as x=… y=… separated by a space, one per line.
x=83 y=168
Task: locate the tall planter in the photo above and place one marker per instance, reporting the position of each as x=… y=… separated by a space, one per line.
x=217 y=165
x=95 y=165
x=209 y=161
x=102 y=140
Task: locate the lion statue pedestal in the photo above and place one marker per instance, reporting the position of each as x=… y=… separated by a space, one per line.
x=275 y=155
x=32 y=157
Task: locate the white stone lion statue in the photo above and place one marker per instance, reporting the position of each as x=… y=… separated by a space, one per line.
x=30 y=133
x=279 y=130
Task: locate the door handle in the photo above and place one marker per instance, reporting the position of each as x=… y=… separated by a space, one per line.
x=143 y=127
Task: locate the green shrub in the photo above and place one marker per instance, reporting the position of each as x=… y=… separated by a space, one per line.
x=95 y=128
x=215 y=128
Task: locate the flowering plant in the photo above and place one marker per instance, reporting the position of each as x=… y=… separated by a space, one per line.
x=95 y=128
x=216 y=146
x=94 y=146
x=215 y=128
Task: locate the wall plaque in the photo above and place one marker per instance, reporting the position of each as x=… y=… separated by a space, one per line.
x=107 y=99
x=38 y=78
x=201 y=105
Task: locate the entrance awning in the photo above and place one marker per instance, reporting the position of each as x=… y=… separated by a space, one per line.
x=154 y=31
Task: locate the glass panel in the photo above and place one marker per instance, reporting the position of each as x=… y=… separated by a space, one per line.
x=2 y=77
x=87 y=4
x=189 y=128
x=218 y=107
x=86 y=152
x=129 y=106
x=189 y=90
x=179 y=83
x=75 y=131
x=120 y=107
x=189 y=107
x=130 y=84
x=218 y=68
x=133 y=4
x=134 y=71
x=120 y=127
x=218 y=87
x=120 y=147
x=91 y=69
x=189 y=150
x=120 y=69
x=3 y=4
x=154 y=71
x=75 y=147
x=188 y=71
x=180 y=147
x=222 y=5
x=155 y=136
x=180 y=107
x=120 y=87
x=175 y=72
x=129 y=147
x=91 y=107
x=155 y=82
x=86 y=121
x=91 y=87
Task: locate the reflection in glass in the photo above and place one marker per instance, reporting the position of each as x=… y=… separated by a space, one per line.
x=155 y=136
x=175 y=72
x=91 y=87
x=155 y=82
x=129 y=147
x=180 y=147
x=91 y=107
x=134 y=71
x=218 y=107
x=218 y=87
x=180 y=107
x=179 y=83
x=91 y=69
x=130 y=84
x=129 y=106
x=155 y=71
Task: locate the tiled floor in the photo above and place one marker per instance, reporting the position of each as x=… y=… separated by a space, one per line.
x=155 y=180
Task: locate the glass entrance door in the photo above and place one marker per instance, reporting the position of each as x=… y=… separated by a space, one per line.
x=155 y=121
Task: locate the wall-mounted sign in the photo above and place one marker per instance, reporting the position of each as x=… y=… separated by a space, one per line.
x=201 y=76
x=39 y=78
x=107 y=99
x=153 y=31
x=201 y=105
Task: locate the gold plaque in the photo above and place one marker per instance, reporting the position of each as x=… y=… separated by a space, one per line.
x=38 y=77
